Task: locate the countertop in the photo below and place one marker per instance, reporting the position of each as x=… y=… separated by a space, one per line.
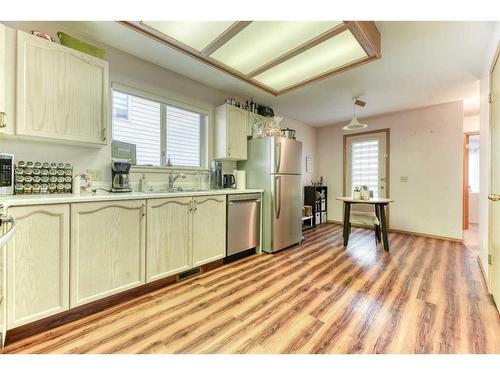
x=28 y=200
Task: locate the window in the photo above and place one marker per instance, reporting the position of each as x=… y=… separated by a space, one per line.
x=158 y=130
x=365 y=162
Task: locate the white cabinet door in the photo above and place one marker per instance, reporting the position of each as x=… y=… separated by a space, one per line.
x=3 y=76
x=62 y=94
x=209 y=229
x=107 y=249
x=38 y=264
x=230 y=133
x=168 y=249
x=237 y=120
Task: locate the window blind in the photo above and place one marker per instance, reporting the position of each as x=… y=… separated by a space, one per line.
x=142 y=127
x=183 y=137
x=176 y=134
x=364 y=164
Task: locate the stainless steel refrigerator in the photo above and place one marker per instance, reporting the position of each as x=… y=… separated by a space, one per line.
x=275 y=164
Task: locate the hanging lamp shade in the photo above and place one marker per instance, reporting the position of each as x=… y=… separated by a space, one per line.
x=355 y=124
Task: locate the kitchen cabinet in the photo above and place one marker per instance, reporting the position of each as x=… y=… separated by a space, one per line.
x=62 y=94
x=107 y=249
x=3 y=76
x=38 y=263
x=169 y=233
x=209 y=229
x=231 y=126
x=255 y=118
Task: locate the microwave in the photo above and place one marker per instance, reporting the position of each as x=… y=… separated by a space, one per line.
x=6 y=174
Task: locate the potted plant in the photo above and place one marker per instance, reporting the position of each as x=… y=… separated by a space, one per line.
x=365 y=193
x=356 y=194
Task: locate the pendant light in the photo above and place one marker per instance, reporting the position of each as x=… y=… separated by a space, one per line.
x=355 y=124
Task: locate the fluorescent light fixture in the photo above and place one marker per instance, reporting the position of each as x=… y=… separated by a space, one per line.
x=327 y=56
x=194 y=34
x=264 y=41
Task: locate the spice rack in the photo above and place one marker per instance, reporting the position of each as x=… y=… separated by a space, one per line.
x=42 y=178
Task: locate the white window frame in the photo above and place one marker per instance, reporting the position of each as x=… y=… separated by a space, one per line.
x=163 y=128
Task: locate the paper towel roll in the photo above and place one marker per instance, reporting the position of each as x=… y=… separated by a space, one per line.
x=240 y=176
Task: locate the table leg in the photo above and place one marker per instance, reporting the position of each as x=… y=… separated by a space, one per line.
x=377 y=231
x=347 y=215
x=383 y=223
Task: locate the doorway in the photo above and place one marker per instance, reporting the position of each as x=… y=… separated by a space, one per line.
x=471 y=190
x=366 y=163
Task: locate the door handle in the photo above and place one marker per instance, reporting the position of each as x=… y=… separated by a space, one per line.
x=277 y=197
x=494 y=197
x=3 y=119
x=278 y=158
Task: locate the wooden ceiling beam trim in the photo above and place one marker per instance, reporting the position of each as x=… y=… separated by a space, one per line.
x=367 y=35
x=223 y=38
x=299 y=49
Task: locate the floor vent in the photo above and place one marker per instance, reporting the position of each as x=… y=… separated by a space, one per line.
x=191 y=272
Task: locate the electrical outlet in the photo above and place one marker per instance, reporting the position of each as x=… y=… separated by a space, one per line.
x=95 y=173
x=403 y=179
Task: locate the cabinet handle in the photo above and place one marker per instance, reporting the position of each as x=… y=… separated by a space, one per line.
x=190 y=206
x=3 y=119
x=229 y=151
x=195 y=205
x=143 y=210
x=104 y=134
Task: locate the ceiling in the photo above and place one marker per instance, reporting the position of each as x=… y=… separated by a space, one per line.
x=423 y=63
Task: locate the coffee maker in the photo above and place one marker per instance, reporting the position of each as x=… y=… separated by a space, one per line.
x=120 y=169
x=216 y=170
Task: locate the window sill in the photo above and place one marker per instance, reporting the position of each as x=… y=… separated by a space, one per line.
x=161 y=169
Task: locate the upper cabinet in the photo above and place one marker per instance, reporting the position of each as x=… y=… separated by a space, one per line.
x=62 y=94
x=230 y=133
x=3 y=77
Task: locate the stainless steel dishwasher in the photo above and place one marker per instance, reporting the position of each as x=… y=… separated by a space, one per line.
x=243 y=223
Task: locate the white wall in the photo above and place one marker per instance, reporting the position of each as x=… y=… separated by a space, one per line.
x=484 y=178
x=134 y=72
x=471 y=124
x=425 y=145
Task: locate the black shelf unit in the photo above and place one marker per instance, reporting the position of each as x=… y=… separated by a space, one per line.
x=317 y=198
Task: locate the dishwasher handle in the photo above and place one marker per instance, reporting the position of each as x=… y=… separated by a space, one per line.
x=244 y=201
x=243 y=198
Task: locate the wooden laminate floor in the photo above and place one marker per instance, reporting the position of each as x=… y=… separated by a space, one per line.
x=425 y=296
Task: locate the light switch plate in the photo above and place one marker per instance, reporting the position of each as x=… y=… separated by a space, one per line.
x=403 y=179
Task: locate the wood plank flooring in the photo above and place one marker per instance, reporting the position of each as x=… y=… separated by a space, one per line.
x=425 y=296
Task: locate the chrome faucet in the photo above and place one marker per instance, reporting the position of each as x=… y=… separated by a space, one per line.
x=172 y=179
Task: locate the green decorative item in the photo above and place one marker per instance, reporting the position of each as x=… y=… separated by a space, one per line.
x=69 y=41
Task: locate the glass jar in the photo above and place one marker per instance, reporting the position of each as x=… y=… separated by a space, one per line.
x=19 y=189
x=19 y=171
x=52 y=188
x=36 y=172
x=44 y=172
x=36 y=189
x=21 y=164
x=53 y=179
x=37 y=179
x=60 y=166
x=53 y=165
x=28 y=179
x=60 y=172
x=19 y=179
x=67 y=180
x=30 y=164
x=60 y=188
x=37 y=165
x=67 y=172
x=52 y=172
x=28 y=172
x=44 y=179
x=67 y=188
x=28 y=188
x=60 y=180
x=44 y=188
x=46 y=165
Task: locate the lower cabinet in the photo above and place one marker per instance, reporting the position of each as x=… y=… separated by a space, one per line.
x=38 y=264
x=107 y=249
x=169 y=237
x=209 y=229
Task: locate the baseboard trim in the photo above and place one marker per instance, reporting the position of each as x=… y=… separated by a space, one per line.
x=30 y=329
x=485 y=279
x=410 y=233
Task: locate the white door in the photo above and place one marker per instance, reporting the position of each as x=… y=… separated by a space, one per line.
x=494 y=271
x=366 y=164
x=366 y=159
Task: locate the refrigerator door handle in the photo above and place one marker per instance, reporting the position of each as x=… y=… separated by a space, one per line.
x=277 y=198
x=278 y=157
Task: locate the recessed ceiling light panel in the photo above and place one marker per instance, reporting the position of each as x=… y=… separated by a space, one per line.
x=327 y=56
x=264 y=41
x=194 y=34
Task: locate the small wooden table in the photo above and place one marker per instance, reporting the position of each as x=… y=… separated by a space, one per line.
x=379 y=203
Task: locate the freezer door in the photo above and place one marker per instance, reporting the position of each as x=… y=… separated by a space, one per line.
x=286 y=211
x=286 y=156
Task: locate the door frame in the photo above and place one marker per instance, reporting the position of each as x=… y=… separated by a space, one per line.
x=387 y=132
x=494 y=63
x=465 y=182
